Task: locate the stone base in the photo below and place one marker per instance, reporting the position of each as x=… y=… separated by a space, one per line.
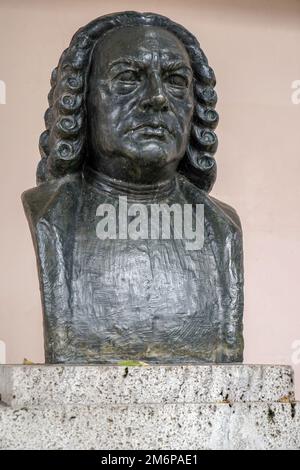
x=153 y=407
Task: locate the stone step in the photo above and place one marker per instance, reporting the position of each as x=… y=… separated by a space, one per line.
x=157 y=426
x=90 y=385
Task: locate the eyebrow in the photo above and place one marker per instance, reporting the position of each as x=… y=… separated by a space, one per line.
x=175 y=65
x=170 y=65
x=128 y=61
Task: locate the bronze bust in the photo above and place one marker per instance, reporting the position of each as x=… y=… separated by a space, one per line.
x=131 y=118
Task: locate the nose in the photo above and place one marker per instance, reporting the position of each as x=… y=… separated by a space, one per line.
x=155 y=97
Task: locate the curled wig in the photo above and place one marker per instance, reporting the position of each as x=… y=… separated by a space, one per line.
x=63 y=145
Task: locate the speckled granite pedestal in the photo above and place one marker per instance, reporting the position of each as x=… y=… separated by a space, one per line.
x=154 y=407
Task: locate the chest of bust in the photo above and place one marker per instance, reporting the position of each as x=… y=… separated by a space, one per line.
x=148 y=298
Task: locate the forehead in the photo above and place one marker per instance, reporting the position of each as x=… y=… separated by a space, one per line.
x=136 y=42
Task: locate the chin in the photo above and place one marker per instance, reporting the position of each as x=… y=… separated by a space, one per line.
x=152 y=152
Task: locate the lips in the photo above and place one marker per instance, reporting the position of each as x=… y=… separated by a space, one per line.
x=153 y=131
x=158 y=130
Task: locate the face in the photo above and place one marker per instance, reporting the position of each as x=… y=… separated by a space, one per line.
x=140 y=104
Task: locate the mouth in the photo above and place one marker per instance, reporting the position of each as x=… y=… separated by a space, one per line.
x=153 y=130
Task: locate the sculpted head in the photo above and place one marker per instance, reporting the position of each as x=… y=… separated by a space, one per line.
x=132 y=97
x=140 y=103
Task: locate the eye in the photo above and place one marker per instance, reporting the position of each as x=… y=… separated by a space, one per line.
x=128 y=76
x=177 y=80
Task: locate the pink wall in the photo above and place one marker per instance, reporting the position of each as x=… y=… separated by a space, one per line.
x=254 y=49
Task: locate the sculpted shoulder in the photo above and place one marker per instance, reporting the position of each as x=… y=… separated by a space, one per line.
x=224 y=212
x=228 y=211
x=56 y=196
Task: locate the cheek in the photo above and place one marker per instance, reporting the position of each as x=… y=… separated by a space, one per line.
x=187 y=108
x=106 y=114
x=184 y=117
x=183 y=109
x=116 y=109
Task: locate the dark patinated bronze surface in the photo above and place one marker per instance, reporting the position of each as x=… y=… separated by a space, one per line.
x=131 y=118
